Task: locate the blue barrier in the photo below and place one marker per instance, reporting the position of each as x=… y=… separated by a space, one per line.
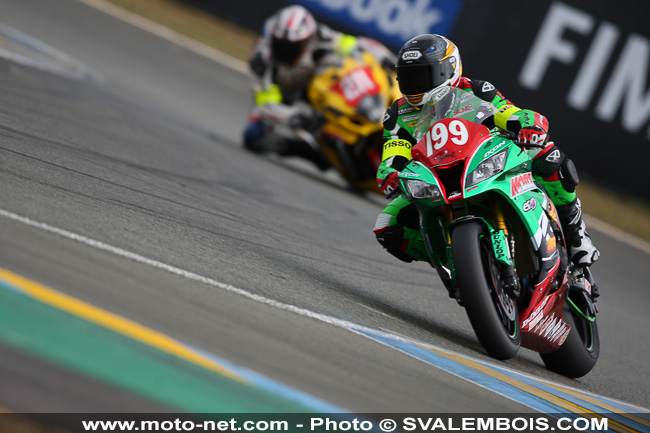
x=392 y=22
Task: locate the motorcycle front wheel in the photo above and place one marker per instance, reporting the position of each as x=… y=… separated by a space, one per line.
x=491 y=310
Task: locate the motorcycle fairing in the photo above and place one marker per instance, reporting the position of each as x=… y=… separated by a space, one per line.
x=434 y=157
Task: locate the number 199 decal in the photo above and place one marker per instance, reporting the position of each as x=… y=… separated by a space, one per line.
x=438 y=136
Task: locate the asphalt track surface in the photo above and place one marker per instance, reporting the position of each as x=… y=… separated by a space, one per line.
x=137 y=147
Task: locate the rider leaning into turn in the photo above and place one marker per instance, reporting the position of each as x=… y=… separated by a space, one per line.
x=425 y=63
x=283 y=61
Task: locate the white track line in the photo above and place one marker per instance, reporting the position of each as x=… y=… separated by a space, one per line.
x=340 y=323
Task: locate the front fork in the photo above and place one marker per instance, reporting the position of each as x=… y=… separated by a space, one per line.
x=504 y=250
x=503 y=247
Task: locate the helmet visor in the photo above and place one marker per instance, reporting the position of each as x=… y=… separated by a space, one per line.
x=416 y=79
x=287 y=51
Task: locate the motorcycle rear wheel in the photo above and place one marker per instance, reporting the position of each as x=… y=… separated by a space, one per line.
x=491 y=310
x=579 y=353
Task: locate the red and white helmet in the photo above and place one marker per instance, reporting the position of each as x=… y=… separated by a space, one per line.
x=291 y=31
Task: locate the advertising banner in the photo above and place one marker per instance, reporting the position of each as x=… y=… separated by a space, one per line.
x=389 y=21
x=584 y=65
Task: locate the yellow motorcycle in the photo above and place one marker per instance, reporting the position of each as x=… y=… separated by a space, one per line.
x=351 y=95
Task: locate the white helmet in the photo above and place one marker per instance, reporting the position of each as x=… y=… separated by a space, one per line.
x=291 y=31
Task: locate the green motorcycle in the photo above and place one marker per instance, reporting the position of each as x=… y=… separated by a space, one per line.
x=494 y=237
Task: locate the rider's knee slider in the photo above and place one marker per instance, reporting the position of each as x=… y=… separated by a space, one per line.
x=391 y=238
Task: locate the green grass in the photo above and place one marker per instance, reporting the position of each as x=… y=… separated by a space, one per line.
x=630 y=215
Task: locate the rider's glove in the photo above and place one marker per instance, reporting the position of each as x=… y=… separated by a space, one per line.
x=533 y=135
x=390 y=184
x=534 y=128
x=308 y=123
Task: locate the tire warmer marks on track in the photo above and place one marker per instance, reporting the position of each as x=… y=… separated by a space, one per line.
x=542 y=396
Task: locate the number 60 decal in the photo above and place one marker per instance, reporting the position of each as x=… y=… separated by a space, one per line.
x=439 y=135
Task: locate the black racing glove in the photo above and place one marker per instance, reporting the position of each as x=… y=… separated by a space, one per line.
x=308 y=123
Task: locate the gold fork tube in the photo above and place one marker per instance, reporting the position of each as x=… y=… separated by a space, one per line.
x=498 y=216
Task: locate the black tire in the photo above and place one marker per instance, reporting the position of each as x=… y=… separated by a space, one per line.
x=492 y=312
x=579 y=353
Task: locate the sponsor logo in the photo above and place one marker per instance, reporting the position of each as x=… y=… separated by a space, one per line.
x=444 y=156
x=466 y=97
x=521 y=183
x=553 y=329
x=407 y=174
x=390 y=21
x=493 y=150
x=357 y=84
x=464 y=109
x=529 y=205
x=487 y=87
x=405 y=110
x=500 y=252
x=396 y=143
x=505 y=108
x=536 y=315
x=411 y=55
x=411 y=117
x=553 y=156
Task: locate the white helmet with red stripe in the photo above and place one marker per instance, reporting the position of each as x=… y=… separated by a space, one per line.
x=291 y=31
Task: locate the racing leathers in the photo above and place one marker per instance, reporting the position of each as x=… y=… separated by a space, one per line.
x=397 y=227
x=279 y=91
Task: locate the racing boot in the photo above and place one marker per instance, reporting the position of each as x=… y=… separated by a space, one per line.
x=581 y=250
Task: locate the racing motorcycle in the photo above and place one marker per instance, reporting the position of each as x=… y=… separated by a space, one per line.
x=351 y=95
x=495 y=239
